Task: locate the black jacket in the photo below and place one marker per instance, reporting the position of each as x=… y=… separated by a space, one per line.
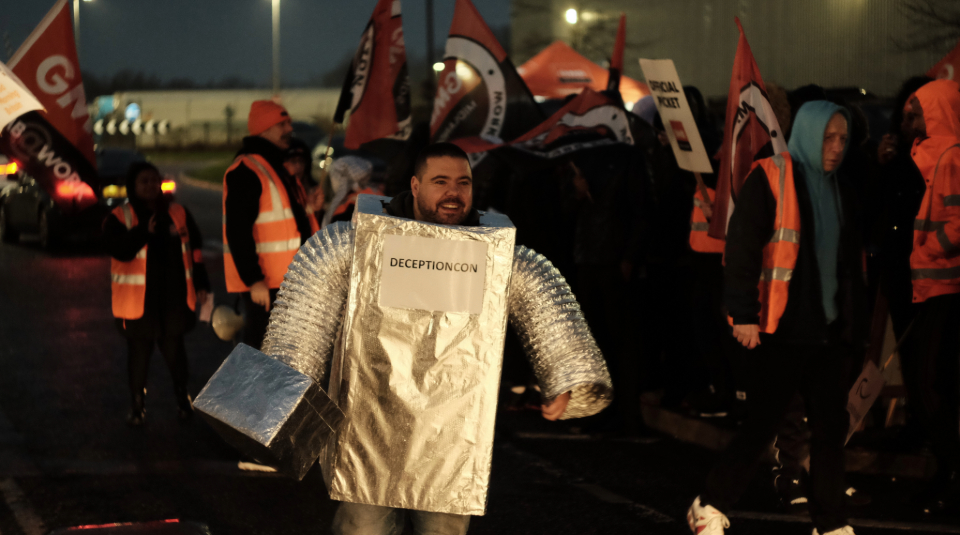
x=242 y=206
x=165 y=303
x=402 y=206
x=750 y=229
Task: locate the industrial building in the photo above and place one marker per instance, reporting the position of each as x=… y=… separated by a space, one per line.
x=833 y=43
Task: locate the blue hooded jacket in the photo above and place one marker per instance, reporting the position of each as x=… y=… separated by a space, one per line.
x=806 y=149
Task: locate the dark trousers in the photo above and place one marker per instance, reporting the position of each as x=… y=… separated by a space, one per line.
x=779 y=371
x=256 y=318
x=936 y=340
x=793 y=440
x=174 y=354
x=609 y=305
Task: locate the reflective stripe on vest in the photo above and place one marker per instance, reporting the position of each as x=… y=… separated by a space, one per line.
x=275 y=232
x=935 y=266
x=128 y=280
x=780 y=253
x=699 y=240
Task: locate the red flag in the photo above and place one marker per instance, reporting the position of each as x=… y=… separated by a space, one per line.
x=616 y=60
x=479 y=92
x=48 y=65
x=589 y=120
x=377 y=88
x=751 y=132
x=949 y=67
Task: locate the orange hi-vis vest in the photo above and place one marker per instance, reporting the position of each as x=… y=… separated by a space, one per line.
x=274 y=231
x=780 y=253
x=700 y=241
x=128 y=280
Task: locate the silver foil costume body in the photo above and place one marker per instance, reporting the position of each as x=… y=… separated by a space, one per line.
x=419 y=387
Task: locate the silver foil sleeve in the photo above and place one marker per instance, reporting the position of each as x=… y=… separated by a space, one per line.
x=308 y=311
x=556 y=338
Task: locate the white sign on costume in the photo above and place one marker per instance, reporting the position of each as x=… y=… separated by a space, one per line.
x=430 y=274
x=681 y=129
x=15 y=98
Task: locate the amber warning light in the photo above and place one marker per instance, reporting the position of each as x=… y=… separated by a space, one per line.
x=8 y=169
x=168 y=186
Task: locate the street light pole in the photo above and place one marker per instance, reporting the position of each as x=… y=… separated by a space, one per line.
x=430 y=73
x=76 y=26
x=276 y=47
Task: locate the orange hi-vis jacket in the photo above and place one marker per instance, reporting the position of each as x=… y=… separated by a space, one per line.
x=351 y=200
x=700 y=241
x=274 y=231
x=935 y=259
x=128 y=280
x=780 y=253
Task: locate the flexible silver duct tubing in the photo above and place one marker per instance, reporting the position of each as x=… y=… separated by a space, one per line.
x=306 y=316
x=308 y=312
x=555 y=337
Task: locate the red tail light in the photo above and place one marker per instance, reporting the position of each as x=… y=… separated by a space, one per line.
x=78 y=190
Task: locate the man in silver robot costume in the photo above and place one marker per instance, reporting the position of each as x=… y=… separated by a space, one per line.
x=403 y=314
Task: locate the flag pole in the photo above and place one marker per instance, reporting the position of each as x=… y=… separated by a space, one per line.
x=703 y=190
x=327 y=153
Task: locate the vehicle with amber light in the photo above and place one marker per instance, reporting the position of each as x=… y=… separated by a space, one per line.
x=65 y=213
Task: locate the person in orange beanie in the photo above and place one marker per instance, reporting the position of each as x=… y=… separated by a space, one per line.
x=267 y=215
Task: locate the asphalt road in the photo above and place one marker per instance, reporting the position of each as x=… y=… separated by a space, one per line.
x=68 y=459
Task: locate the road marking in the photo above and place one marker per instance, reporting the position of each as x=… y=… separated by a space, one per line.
x=74 y=467
x=857 y=522
x=595 y=490
x=29 y=522
x=197 y=183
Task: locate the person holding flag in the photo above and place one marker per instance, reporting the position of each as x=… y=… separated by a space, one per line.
x=794 y=291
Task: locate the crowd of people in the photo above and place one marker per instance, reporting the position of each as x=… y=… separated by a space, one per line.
x=769 y=327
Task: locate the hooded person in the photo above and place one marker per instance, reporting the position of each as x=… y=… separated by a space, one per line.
x=349 y=177
x=935 y=271
x=267 y=216
x=794 y=292
x=157 y=280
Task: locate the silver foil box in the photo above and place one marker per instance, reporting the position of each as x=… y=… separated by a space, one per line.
x=268 y=410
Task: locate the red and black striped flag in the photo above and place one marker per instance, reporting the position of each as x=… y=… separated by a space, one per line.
x=376 y=91
x=54 y=146
x=750 y=131
x=479 y=92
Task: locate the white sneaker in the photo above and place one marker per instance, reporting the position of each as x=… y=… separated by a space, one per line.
x=845 y=530
x=706 y=520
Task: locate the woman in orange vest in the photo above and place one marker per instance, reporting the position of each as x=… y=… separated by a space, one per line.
x=157 y=280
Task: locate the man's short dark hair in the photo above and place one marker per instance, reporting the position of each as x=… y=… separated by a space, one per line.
x=437 y=150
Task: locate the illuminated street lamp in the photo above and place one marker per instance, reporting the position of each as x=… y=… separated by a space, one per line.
x=76 y=24
x=571 y=16
x=276 y=47
x=438 y=66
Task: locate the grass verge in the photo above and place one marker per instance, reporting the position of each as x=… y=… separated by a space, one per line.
x=213 y=172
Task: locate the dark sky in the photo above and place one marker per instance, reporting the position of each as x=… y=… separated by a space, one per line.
x=213 y=39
